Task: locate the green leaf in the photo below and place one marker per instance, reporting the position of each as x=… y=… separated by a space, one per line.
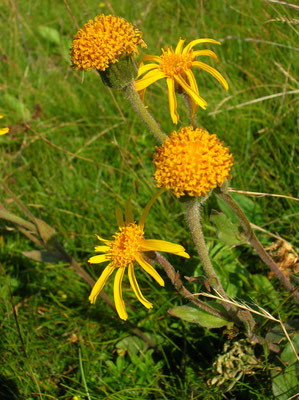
x=227 y=232
x=131 y=344
x=285 y=384
x=50 y=34
x=196 y=316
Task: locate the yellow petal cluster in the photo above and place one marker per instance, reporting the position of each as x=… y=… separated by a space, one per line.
x=103 y=41
x=191 y=162
x=126 y=248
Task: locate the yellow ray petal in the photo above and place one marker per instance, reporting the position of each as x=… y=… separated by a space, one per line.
x=1 y=116
x=208 y=53
x=149 y=269
x=172 y=100
x=198 y=100
x=128 y=212
x=118 y=298
x=197 y=41
x=119 y=217
x=178 y=49
x=136 y=288
x=212 y=71
x=149 y=57
x=103 y=240
x=148 y=79
x=102 y=249
x=100 y=283
x=98 y=259
x=148 y=206
x=183 y=254
x=194 y=87
x=161 y=245
x=3 y=131
x=144 y=68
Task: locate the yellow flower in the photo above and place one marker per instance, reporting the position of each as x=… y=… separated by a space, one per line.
x=176 y=67
x=3 y=131
x=191 y=162
x=127 y=246
x=103 y=41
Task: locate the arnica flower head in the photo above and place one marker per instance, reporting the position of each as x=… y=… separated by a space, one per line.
x=176 y=67
x=191 y=162
x=103 y=42
x=126 y=248
x=3 y=131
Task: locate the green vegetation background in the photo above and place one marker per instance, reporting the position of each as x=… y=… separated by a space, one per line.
x=75 y=150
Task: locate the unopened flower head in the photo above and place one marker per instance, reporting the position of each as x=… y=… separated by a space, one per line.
x=103 y=42
x=191 y=162
x=176 y=67
x=126 y=248
x=3 y=131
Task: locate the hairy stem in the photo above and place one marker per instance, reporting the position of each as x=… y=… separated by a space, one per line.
x=142 y=112
x=256 y=243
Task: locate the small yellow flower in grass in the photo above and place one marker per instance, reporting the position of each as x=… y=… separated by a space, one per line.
x=3 y=131
x=128 y=246
x=103 y=42
x=191 y=162
x=176 y=67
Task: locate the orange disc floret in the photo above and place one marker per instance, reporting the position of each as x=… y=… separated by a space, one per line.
x=191 y=162
x=103 y=41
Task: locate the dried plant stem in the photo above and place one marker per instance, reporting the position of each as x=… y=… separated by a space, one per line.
x=192 y=117
x=250 y=236
x=175 y=279
x=142 y=112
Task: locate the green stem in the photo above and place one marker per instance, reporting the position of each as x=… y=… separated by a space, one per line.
x=192 y=209
x=255 y=242
x=142 y=112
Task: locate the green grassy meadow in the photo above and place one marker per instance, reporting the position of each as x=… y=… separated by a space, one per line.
x=76 y=149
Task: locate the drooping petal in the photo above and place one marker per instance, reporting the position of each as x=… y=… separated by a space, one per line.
x=118 y=298
x=136 y=288
x=128 y=212
x=208 y=53
x=119 y=217
x=162 y=245
x=147 y=67
x=102 y=249
x=194 y=87
x=212 y=71
x=98 y=259
x=149 y=269
x=100 y=283
x=148 y=79
x=179 y=47
x=198 y=100
x=148 y=206
x=172 y=100
x=197 y=41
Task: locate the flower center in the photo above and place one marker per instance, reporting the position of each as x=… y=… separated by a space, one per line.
x=175 y=64
x=126 y=245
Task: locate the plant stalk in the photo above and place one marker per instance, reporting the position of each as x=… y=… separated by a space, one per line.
x=138 y=106
x=253 y=240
